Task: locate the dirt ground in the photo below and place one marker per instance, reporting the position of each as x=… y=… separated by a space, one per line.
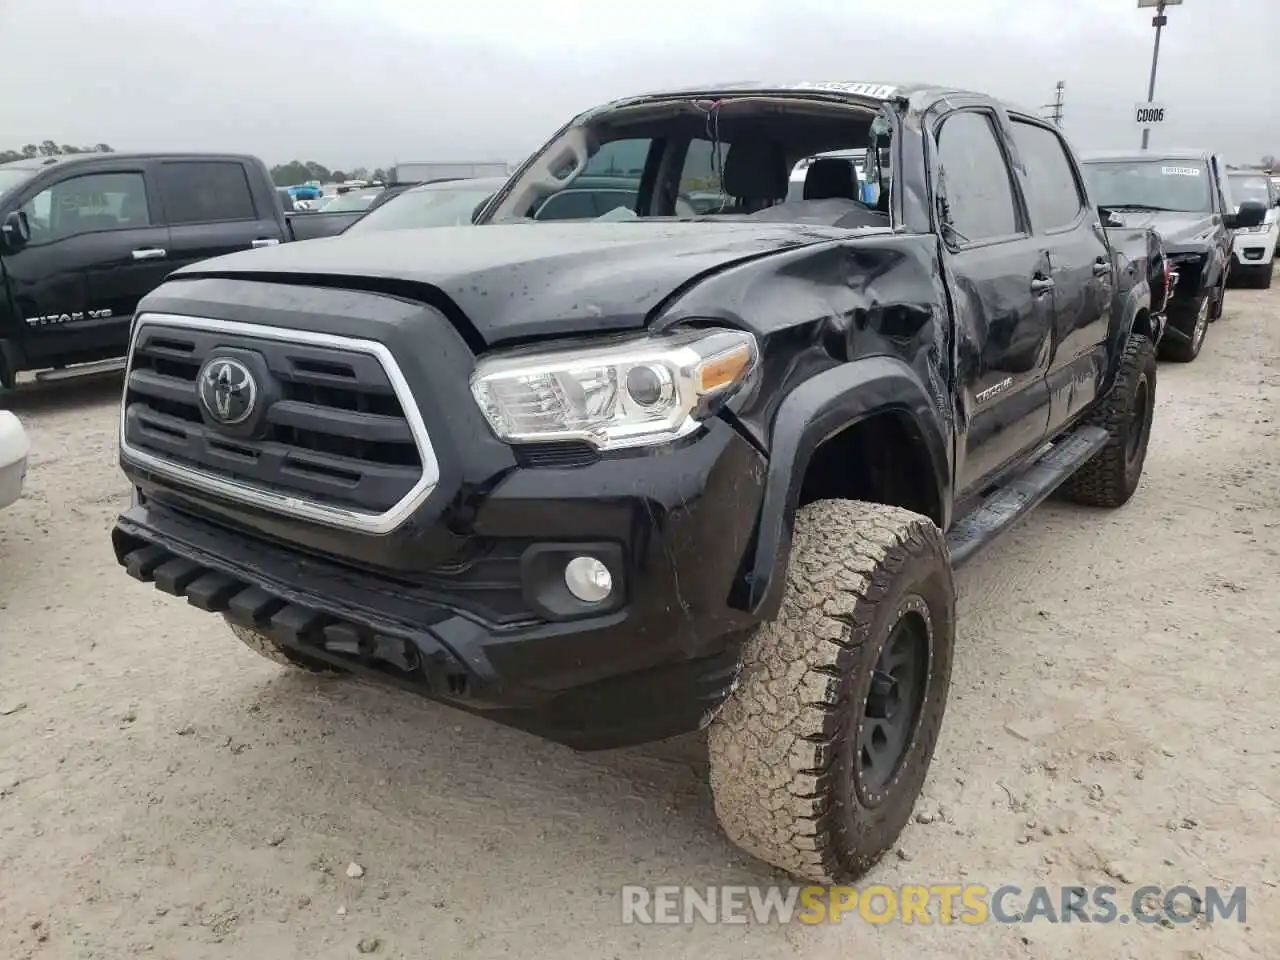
x=164 y=792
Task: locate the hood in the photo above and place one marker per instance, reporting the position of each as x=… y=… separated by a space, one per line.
x=529 y=279
x=1179 y=231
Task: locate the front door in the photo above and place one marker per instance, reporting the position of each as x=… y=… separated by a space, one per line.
x=1002 y=278
x=95 y=250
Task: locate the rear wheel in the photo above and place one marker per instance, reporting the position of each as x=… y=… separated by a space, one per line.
x=1184 y=351
x=264 y=646
x=820 y=753
x=1111 y=476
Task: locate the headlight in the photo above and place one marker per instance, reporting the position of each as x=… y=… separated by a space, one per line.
x=627 y=394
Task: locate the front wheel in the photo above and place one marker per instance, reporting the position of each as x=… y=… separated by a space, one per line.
x=1184 y=351
x=819 y=755
x=1219 y=302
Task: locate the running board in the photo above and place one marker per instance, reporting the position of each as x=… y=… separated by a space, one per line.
x=75 y=372
x=1002 y=510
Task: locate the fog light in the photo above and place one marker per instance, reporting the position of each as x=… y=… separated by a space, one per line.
x=588 y=579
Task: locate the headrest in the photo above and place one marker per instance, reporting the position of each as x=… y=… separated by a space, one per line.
x=831 y=177
x=755 y=170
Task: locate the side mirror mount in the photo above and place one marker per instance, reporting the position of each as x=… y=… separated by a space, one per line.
x=15 y=232
x=1251 y=214
x=480 y=206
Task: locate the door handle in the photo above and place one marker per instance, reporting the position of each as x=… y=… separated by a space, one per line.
x=1042 y=285
x=265 y=242
x=1101 y=268
x=150 y=253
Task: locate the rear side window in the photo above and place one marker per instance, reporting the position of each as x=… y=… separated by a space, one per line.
x=1053 y=194
x=619 y=158
x=979 y=192
x=206 y=191
x=568 y=205
x=606 y=200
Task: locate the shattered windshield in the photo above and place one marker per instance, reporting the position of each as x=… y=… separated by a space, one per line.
x=436 y=205
x=696 y=159
x=1175 y=185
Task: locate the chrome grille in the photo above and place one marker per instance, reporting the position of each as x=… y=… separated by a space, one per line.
x=339 y=439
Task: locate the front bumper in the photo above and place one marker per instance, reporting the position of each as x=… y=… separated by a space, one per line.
x=14 y=448
x=1253 y=250
x=653 y=662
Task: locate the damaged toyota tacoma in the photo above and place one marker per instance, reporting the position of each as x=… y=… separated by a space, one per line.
x=609 y=482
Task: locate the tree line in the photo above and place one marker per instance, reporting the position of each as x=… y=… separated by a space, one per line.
x=300 y=171
x=48 y=148
x=284 y=175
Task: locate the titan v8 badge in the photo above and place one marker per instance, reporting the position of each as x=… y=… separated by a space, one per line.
x=75 y=316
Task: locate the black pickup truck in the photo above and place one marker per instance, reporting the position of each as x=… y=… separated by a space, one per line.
x=613 y=481
x=1185 y=196
x=84 y=237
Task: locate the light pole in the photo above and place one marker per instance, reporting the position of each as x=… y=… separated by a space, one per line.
x=1158 y=21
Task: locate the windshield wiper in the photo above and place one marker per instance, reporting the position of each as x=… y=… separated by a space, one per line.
x=1135 y=206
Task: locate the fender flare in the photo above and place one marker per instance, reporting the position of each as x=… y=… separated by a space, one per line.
x=1215 y=269
x=1136 y=299
x=812 y=413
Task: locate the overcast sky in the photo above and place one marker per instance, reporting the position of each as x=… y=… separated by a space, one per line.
x=349 y=82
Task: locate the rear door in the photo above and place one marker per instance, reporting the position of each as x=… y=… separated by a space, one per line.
x=1080 y=261
x=97 y=247
x=1002 y=285
x=211 y=209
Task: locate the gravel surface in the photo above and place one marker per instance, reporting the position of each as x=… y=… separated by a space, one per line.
x=164 y=792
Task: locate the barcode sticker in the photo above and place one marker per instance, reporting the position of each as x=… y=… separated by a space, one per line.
x=1180 y=171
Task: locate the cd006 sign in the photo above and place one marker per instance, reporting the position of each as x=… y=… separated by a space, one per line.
x=1148 y=114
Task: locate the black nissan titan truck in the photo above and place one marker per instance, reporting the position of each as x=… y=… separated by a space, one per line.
x=84 y=237
x=610 y=482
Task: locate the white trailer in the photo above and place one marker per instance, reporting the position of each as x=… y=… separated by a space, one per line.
x=421 y=172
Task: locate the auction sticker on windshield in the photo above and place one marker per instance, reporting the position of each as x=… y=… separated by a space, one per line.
x=877 y=91
x=1180 y=171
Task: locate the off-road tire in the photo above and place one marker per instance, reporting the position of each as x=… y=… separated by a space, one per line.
x=1183 y=351
x=1110 y=477
x=264 y=646
x=785 y=774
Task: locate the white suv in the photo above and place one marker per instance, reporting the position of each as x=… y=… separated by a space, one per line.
x=1253 y=250
x=13 y=458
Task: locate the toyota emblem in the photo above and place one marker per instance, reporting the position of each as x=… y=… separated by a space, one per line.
x=228 y=391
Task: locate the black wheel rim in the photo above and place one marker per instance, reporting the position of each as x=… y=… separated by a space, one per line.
x=1141 y=423
x=894 y=703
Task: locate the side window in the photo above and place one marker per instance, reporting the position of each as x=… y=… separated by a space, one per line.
x=88 y=204
x=979 y=191
x=568 y=205
x=619 y=158
x=1053 y=193
x=702 y=167
x=607 y=200
x=205 y=191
